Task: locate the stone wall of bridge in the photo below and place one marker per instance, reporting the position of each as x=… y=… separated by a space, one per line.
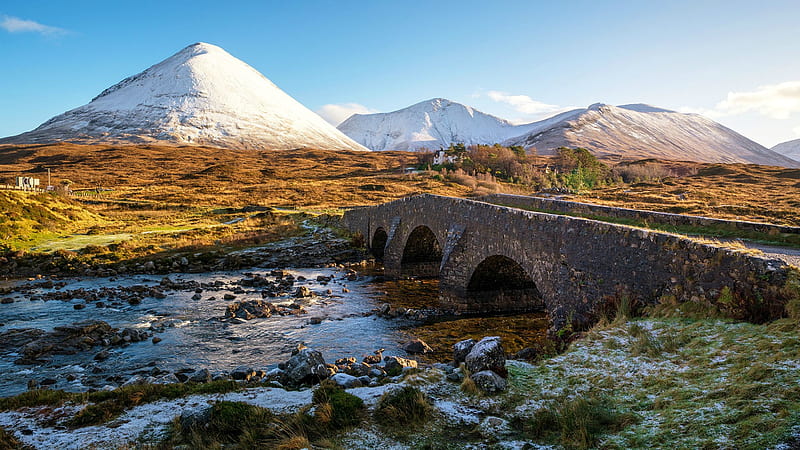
x=588 y=209
x=569 y=267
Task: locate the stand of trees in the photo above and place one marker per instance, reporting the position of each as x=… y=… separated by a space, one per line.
x=571 y=168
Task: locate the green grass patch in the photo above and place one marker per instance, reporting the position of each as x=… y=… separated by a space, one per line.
x=336 y=408
x=577 y=422
x=403 y=409
x=696 y=383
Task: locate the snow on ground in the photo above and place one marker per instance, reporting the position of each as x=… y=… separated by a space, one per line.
x=146 y=422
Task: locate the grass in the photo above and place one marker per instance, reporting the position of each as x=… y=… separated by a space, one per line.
x=726 y=191
x=703 y=383
x=337 y=409
x=577 y=422
x=403 y=408
x=8 y=441
x=245 y=426
x=103 y=406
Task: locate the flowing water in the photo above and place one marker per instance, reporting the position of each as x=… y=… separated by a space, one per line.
x=195 y=337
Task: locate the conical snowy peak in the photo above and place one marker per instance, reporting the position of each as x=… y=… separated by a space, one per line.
x=430 y=124
x=200 y=95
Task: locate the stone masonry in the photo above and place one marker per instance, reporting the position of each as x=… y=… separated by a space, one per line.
x=574 y=266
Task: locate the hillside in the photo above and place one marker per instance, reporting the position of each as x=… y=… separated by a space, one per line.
x=642 y=131
x=200 y=96
x=789 y=149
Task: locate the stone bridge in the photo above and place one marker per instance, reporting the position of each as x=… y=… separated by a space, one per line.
x=493 y=258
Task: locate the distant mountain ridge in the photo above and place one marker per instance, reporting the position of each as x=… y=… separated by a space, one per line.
x=626 y=131
x=430 y=124
x=790 y=149
x=201 y=95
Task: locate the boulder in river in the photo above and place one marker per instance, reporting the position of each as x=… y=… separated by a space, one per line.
x=250 y=309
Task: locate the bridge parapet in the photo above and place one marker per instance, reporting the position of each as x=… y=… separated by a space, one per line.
x=494 y=258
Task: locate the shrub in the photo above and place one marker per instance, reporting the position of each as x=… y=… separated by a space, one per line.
x=406 y=406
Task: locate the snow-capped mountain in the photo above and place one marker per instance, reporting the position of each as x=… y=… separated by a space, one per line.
x=644 y=131
x=200 y=95
x=790 y=149
x=628 y=131
x=430 y=124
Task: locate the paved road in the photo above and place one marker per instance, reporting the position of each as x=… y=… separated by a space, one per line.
x=790 y=255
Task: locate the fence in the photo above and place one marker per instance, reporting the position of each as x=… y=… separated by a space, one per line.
x=10 y=187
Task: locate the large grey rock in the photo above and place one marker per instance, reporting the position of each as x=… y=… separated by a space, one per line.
x=461 y=349
x=307 y=366
x=417 y=347
x=201 y=376
x=393 y=363
x=487 y=354
x=243 y=373
x=346 y=381
x=489 y=382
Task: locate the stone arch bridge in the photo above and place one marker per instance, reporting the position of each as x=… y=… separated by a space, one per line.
x=492 y=258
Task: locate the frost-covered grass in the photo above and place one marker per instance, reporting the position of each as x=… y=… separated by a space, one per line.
x=655 y=382
x=699 y=384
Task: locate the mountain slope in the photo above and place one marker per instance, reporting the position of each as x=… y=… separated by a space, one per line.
x=643 y=131
x=200 y=95
x=430 y=124
x=790 y=149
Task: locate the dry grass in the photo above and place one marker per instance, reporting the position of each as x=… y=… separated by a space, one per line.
x=727 y=191
x=189 y=175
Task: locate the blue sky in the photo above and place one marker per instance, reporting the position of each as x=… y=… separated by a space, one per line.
x=736 y=61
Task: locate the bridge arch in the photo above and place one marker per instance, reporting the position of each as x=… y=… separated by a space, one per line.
x=499 y=283
x=422 y=254
x=377 y=245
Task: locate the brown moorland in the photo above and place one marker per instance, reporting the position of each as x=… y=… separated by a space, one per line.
x=205 y=176
x=194 y=175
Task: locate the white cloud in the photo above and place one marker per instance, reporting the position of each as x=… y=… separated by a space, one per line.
x=777 y=101
x=337 y=113
x=17 y=25
x=710 y=113
x=523 y=103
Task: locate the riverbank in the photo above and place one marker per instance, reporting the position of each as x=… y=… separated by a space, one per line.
x=654 y=382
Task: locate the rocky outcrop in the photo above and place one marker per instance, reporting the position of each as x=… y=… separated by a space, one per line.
x=37 y=345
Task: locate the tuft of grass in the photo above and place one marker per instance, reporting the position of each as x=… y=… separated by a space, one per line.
x=336 y=408
x=235 y=424
x=577 y=422
x=403 y=408
x=8 y=441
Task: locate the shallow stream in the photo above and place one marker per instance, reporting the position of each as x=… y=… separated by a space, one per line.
x=194 y=337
